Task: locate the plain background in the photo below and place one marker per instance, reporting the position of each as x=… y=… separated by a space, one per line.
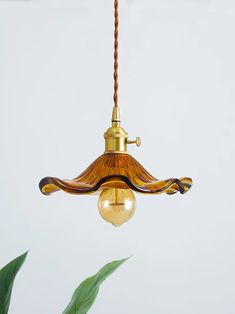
x=177 y=91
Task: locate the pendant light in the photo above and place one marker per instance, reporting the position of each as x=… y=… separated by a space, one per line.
x=115 y=175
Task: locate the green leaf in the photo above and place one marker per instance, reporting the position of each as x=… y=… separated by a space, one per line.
x=7 y=276
x=85 y=295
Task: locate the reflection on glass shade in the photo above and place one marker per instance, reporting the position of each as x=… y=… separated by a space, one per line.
x=117 y=206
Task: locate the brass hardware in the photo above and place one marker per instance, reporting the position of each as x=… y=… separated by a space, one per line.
x=137 y=141
x=116 y=116
x=116 y=138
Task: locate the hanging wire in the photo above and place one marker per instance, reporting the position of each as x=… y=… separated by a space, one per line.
x=115 y=75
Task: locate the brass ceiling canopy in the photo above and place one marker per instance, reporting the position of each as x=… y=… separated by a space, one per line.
x=116 y=174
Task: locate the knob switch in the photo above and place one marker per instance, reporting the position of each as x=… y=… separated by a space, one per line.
x=137 y=141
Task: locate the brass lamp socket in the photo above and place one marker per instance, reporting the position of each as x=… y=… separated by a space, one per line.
x=116 y=138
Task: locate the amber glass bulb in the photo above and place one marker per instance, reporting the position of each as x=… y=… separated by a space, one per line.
x=117 y=206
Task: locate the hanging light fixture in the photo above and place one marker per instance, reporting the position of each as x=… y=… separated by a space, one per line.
x=116 y=174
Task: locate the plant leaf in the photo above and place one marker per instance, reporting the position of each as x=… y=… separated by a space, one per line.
x=85 y=295
x=7 y=277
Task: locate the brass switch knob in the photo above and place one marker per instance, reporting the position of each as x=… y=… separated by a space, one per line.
x=137 y=141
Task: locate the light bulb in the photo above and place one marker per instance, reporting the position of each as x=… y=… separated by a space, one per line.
x=117 y=206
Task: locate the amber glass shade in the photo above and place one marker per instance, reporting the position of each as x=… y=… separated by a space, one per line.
x=115 y=170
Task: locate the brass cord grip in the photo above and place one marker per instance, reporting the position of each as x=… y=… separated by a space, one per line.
x=116 y=138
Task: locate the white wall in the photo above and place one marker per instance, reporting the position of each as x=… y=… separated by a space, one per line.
x=177 y=91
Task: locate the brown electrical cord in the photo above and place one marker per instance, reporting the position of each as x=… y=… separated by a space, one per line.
x=115 y=75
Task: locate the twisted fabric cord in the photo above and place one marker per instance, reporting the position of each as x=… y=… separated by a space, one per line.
x=115 y=75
